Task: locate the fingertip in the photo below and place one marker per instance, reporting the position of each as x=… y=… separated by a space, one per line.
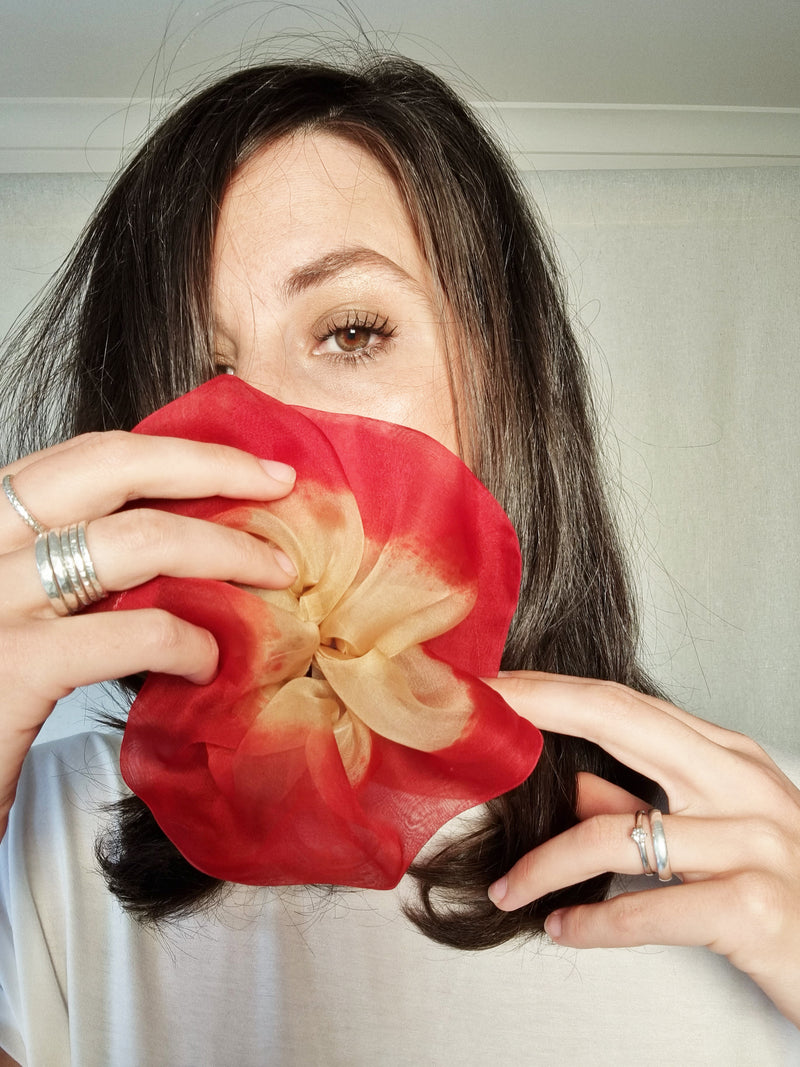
x=284 y=562
x=204 y=677
x=497 y=890
x=279 y=472
x=206 y=674
x=553 y=924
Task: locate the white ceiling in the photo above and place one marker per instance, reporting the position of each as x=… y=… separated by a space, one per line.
x=743 y=53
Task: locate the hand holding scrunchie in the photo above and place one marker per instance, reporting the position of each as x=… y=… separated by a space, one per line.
x=71 y=528
x=347 y=722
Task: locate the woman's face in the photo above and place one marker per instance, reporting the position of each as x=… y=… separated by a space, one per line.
x=321 y=295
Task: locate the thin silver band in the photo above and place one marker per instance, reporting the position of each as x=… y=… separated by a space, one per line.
x=71 y=566
x=47 y=577
x=639 y=835
x=84 y=557
x=660 y=845
x=57 y=562
x=66 y=570
x=19 y=507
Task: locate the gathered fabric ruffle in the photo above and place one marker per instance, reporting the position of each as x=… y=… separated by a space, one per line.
x=347 y=722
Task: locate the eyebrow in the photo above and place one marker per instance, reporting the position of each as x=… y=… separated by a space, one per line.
x=320 y=270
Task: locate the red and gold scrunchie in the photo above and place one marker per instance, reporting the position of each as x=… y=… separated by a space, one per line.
x=347 y=722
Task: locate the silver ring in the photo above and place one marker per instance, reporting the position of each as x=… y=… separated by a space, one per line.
x=57 y=562
x=66 y=570
x=660 y=845
x=639 y=835
x=19 y=507
x=47 y=576
x=90 y=581
x=71 y=567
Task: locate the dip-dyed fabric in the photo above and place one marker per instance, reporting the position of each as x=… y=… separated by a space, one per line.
x=347 y=722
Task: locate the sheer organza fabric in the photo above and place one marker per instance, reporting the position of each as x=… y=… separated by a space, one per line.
x=347 y=722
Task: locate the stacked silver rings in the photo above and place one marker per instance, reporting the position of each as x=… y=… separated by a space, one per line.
x=66 y=569
x=658 y=837
x=62 y=557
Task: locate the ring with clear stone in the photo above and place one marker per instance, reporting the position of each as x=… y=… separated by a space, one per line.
x=639 y=835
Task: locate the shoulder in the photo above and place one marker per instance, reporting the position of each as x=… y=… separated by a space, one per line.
x=53 y=903
x=97 y=748
x=62 y=802
x=64 y=780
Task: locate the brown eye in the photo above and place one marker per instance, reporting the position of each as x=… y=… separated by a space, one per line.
x=352 y=338
x=355 y=339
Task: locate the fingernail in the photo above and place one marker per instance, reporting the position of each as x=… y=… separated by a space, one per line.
x=284 y=562
x=498 y=890
x=552 y=924
x=206 y=674
x=281 y=472
x=202 y=677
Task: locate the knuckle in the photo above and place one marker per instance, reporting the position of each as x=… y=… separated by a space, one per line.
x=142 y=529
x=757 y=895
x=224 y=455
x=523 y=871
x=770 y=844
x=107 y=447
x=578 y=924
x=117 y=456
x=242 y=547
x=612 y=699
x=163 y=631
x=748 y=747
x=627 y=916
x=599 y=834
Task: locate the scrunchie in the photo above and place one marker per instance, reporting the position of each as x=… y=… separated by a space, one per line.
x=347 y=722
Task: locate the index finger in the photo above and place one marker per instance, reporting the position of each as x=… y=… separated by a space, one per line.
x=719 y=735
x=100 y=472
x=634 y=728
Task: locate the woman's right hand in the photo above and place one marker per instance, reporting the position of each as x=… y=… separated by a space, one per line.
x=43 y=657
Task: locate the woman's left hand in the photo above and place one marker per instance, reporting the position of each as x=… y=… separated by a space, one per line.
x=733 y=834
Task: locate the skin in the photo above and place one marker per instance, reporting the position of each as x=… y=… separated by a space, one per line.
x=322 y=298
x=733 y=834
x=314 y=239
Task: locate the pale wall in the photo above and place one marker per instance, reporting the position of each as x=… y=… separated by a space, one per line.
x=687 y=282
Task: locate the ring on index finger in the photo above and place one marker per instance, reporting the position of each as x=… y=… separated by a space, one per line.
x=15 y=502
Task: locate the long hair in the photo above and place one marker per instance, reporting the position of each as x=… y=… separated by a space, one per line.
x=127 y=327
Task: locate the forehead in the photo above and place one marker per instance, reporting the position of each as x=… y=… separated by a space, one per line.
x=315 y=189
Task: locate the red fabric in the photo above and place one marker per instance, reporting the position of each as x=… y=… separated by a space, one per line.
x=347 y=722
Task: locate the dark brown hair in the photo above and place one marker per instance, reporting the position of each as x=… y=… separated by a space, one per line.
x=127 y=327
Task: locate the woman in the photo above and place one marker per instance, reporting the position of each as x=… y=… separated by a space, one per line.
x=352 y=242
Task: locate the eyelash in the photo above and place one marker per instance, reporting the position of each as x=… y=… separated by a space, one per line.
x=357 y=320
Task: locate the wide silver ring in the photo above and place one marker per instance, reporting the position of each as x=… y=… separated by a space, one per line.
x=66 y=570
x=47 y=575
x=639 y=835
x=19 y=507
x=83 y=561
x=660 y=845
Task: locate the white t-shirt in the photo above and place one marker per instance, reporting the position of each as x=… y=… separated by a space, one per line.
x=300 y=977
